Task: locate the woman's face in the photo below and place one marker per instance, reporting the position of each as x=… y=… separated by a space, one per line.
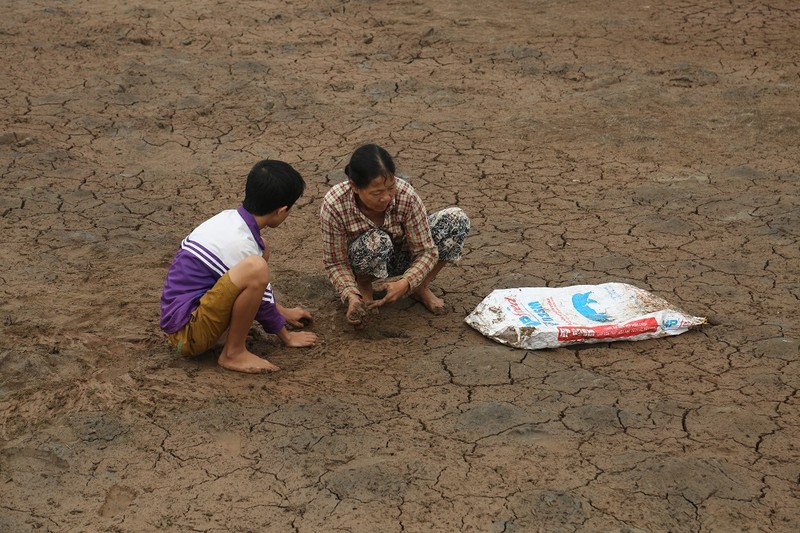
x=377 y=194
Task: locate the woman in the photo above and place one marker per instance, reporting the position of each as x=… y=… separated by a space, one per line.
x=374 y=227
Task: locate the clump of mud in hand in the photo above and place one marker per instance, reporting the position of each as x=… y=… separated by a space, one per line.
x=358 y=315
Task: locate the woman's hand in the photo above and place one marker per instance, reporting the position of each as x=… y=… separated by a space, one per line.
x=356 y=311
x=394 y=291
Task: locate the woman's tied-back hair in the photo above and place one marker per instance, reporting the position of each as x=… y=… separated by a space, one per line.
x=271 y=185
x=367 y=163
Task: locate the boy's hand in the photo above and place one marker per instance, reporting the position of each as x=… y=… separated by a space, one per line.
x=394 y=291
x=295 y=316
x=297 y=339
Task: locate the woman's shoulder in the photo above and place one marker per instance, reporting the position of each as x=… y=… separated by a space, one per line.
x=405 y=190
x=336 y=192
x=403 y=183
x=335 y=202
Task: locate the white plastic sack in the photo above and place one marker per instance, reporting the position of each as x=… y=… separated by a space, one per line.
x=543 y=317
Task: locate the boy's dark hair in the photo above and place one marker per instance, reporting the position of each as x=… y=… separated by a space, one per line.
x=367 y=163
x=271 y=185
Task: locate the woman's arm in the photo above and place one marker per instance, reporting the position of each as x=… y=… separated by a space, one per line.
x=335 y=254
x=419 y=241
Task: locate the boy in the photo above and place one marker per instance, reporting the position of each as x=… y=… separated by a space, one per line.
x=219 y=281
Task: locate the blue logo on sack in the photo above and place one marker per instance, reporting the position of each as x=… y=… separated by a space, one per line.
x=581 y=303
x=539 y=311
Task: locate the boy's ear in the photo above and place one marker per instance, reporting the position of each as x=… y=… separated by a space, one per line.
x=278 y=211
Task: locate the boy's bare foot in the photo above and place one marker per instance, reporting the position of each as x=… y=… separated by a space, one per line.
x=299 y=339
x=432 y=303
x=245 y=361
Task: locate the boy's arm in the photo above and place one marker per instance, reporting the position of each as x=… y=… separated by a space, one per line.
x=294 y=316
x=268 y=314
x=271 y=318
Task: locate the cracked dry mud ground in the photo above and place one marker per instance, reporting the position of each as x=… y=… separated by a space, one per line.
x=589 y=141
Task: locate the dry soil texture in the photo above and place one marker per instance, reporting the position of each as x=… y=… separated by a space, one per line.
x=589 y=141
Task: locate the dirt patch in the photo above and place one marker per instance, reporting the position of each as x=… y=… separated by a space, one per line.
x=588 y=141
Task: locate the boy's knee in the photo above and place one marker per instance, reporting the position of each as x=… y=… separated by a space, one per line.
x=252 y=270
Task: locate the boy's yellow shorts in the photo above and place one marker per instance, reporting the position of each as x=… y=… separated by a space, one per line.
x=209 y=321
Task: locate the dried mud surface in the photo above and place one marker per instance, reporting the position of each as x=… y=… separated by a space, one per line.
x=589 y=141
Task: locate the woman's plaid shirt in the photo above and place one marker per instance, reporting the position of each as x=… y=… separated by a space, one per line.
x=406 y=221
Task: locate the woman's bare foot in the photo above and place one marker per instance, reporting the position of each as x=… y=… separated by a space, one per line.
x=432 y=303
x=245 y=361
x=364 y=285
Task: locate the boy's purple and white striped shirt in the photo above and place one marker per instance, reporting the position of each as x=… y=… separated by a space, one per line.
x=205 y=255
